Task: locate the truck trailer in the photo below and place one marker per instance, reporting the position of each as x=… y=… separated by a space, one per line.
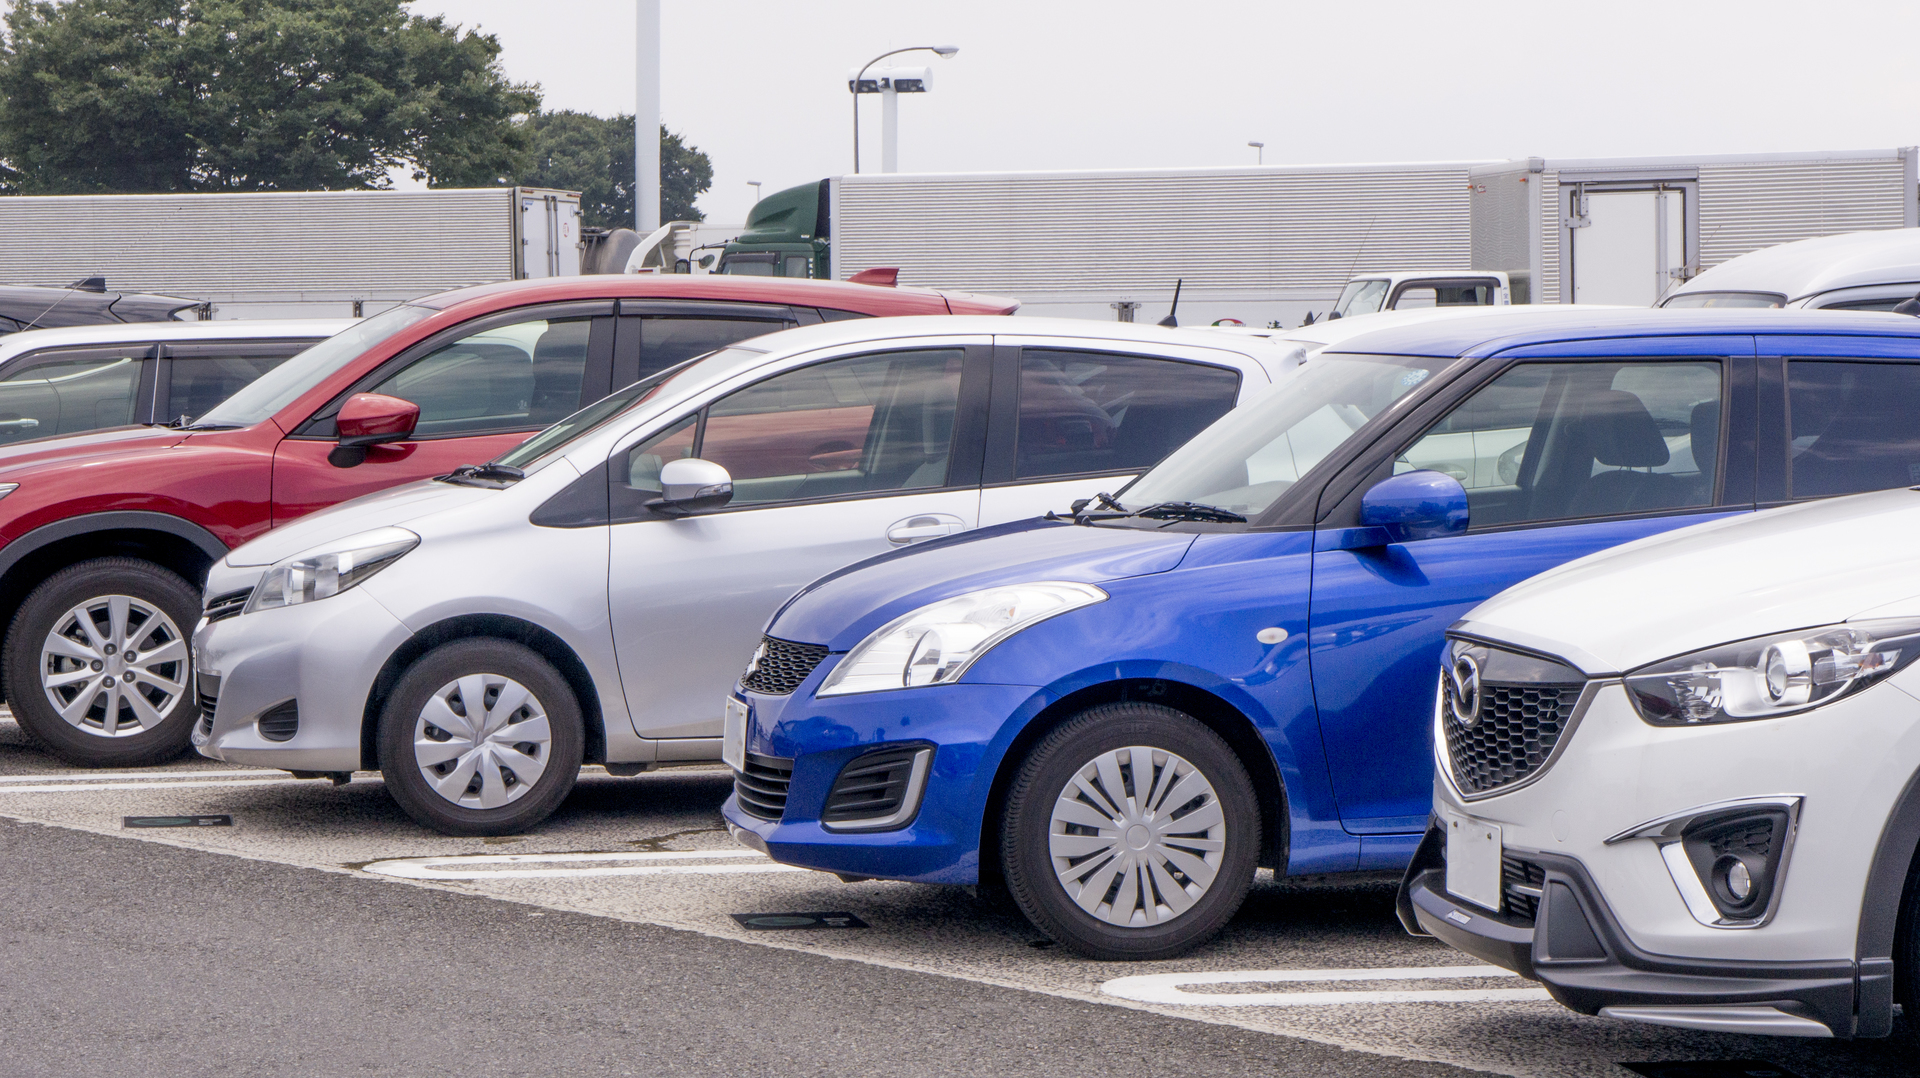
x=1271 y=245
x=293 y=254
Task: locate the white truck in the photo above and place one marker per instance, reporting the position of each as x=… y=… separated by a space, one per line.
x=294 y=254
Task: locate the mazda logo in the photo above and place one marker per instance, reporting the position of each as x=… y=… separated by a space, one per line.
x=1461 y=684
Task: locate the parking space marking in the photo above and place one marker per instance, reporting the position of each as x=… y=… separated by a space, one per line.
x=501 y=866
x=127 y=776
x=89 y=787
x=1168 y=988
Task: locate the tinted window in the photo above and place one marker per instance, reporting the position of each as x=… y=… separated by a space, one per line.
x=1549 y=441
x=1725 y=299
x=665 y=340
x=506 y=378
x=288 y=381
x=67 y=390
x=1101 y=412
x=203 y=378
x=1887 y=304
x=1855 y=426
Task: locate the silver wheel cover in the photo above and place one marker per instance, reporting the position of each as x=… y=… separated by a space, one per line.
x=1137 y=836
x=114 y=666
x=482 y=741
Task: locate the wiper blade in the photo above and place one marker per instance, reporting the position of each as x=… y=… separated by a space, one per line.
x=485 y=473
x=1079 y=509
x=177 y=425
x=1190 y=511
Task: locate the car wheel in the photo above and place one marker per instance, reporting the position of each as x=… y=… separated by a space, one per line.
x=99 y=665
x=481 y=737
x=1130 y=832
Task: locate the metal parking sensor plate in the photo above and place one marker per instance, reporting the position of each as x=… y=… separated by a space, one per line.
x=770 y=922
x=176 y=821
x=1711 y=1068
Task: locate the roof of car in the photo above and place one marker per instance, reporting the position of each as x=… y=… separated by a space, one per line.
x=1809 y=267
x=826 y=335
x=836 y=295
x=231 y=329
x=1488 y=335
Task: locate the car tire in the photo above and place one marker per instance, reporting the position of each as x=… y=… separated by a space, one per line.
x=499 y=776
x=96 y=612
x=1145 y=893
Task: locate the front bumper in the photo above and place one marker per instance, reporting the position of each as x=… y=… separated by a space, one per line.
x=323 y=657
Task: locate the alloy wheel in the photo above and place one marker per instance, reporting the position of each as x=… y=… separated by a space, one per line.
x=1137 y=836
x=114 y=666
x=482 y=740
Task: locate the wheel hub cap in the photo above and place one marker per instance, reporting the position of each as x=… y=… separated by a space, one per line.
x=1137 y=836
x=114 y=666
x=481 y=741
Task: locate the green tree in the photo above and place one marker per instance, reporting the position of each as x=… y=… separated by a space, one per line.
x=250 y=95
x=576 y=151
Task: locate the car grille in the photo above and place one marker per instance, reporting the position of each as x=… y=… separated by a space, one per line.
x=280 y=722
x=1513 y=735
x=762 y=787
x=779 y=666
x=1521 y=883
x=206 y=692
x=872 y=786
x=227 y=604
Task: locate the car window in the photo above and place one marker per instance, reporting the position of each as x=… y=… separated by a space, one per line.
x=1105 y=412
x=1724 y=299
x=287 y=382
x=198 y=381
x=1553 y=441
x=860 y=425
x=511 y=377
x=1361 y=297
x=644 y=461
x=1852 y=426
x=68 y=390
x=1886 y=303
x=666 y=340
x=798 y=266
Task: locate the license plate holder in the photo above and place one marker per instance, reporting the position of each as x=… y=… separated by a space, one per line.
x=733 y=735
x=1473 y=861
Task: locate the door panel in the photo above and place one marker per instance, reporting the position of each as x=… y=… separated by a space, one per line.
x=1627 y=250
x=303 y=481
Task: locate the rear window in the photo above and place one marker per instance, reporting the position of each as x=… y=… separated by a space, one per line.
x=1725 y=299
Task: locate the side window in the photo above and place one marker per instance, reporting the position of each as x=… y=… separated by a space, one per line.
x=666 y=340
x=1102 y=412
x=201 y=378
x=1853 y=426
x=515 y=377
x=645 y=460
x=1416 y=297
x=1552 y=441
x=67 y=390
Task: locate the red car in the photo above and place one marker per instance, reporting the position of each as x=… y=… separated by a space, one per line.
x=105 y=536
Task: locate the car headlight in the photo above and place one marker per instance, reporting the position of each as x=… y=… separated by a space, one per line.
x=331 y=569
x=935 y=644
x=1772 y=675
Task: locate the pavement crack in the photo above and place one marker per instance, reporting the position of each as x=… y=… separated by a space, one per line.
x=656 y=844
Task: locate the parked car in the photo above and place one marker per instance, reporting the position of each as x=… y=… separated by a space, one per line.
x=82 y=303
x=1679 y=785
x=1229 y=663
x=1371 y=293
x=589 y=590
x=114 y=530
x=1853 y=271
x=68 y=381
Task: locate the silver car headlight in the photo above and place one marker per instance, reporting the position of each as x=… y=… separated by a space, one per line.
x=935 y=644
x=331 y=569
x=1772 y=675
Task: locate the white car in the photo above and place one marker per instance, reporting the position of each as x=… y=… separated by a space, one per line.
x=1852 y=271
x=1678 y=782
x=591 y=595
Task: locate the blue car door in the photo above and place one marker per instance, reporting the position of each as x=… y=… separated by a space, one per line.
x=1564 y=450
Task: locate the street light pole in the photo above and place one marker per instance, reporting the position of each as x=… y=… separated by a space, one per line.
x=755 y=184
x=1260 y=152
x=945 y=52
x=646 y=118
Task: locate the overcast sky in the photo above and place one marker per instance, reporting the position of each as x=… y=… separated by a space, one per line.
x=760 y=85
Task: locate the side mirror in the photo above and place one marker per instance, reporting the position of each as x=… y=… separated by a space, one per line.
x=690 y=485
x=1416 y=505
x=369 y=419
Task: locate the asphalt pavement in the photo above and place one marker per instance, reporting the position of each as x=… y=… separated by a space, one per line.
x=321 y=931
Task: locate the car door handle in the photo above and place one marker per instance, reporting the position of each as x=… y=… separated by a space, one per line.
x=925 y=526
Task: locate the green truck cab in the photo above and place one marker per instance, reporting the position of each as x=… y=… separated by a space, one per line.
x=786 y=235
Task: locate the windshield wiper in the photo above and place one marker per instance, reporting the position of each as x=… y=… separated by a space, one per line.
x=487 y=474
x=179 y=425
x=1208 y=514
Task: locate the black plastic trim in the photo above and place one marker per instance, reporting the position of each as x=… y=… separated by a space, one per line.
x=1888 y=877
x=122 y=520
x=584 y=503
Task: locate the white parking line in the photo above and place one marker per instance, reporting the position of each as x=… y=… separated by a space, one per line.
x=1167 y=988
x=500 y=866
x=125 y=776
x=78 y=787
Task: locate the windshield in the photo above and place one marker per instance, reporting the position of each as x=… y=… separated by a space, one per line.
x=594 y=415
x=1725 y=299
x=1254 y=453
x=1360 y=297
x=284 y=384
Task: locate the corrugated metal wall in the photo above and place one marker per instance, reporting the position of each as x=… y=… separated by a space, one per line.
x=1109 y=233
x=1500 y=220
x=375 y=245
x=1744 y=207
x=1548 y=290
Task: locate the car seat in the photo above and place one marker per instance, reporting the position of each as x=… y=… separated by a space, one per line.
x=1871 y=442
x=559 y=364
x=1617 y=432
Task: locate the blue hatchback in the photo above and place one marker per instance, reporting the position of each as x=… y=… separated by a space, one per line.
x=1231 y=663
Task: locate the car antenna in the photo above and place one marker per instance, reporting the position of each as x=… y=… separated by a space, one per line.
x=85 y=284
x=1170 y=320
x=1355 y=264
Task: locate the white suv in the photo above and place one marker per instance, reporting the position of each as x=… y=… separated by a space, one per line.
x=1679 y=781
x=590 y=595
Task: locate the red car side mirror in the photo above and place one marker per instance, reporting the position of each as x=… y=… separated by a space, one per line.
x=369 y=419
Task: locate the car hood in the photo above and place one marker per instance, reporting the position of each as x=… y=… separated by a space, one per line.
x=841 y=608
x=1739 y=577
x=394 y=506
x=71 y=448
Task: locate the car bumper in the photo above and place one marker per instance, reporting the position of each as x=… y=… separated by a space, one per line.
x=321 y=657
x=966 y=727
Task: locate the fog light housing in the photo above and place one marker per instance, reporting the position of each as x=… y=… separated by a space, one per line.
x=1726 y=859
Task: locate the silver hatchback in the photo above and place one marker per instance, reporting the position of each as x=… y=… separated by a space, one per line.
x=591 y=596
